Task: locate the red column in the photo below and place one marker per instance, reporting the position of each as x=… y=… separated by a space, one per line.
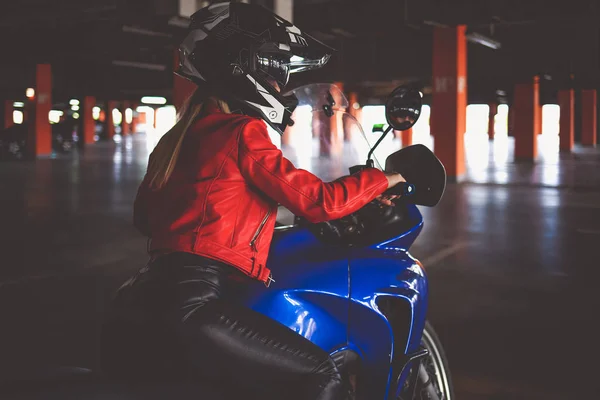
x=89 y=102
x=353 y=110
x=449 y=100
x=526 y=100
x=492 y=121
x=538 y=118
x=182 y=88
x=40 y=131
x=135 y=117
x=589 y=117
x=110 y=123
x=155 y=123
x=142 y=118
x=125 y=128
x=407 y=137
x=8 y=113
x=337 y=123
x=566 y=101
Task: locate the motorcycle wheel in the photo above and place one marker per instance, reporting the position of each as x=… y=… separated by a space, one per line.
x=436 y=365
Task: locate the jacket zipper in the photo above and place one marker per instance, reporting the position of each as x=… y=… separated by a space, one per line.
x=258 y=231
x=253 y=242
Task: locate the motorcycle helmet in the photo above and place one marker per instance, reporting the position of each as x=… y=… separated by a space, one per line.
x=239 y=51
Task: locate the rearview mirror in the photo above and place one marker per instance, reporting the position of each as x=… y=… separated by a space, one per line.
x=403 y=108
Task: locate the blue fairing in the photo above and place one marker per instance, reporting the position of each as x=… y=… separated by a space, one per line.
x=330 y=294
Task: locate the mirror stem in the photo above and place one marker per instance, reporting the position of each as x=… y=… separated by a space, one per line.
x=369 y=161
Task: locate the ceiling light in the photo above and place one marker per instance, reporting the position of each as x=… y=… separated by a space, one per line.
x=154 y=100
x=483 y=40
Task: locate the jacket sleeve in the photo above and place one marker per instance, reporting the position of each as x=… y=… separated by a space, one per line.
x=263 y=165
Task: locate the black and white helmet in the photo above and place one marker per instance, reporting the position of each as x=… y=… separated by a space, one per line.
x=238 y=50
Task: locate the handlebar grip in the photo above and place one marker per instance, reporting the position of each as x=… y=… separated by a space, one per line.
x=404 y=189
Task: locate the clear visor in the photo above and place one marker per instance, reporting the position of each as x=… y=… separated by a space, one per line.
x=325 y=139
x=300 y=64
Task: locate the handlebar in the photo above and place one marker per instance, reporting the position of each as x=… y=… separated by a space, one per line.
x=404 y=189
x=374 y=222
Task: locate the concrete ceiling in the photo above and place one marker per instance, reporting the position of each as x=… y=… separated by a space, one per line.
x=124 y=48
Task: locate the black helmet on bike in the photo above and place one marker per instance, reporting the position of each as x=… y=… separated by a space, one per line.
x=240 y=50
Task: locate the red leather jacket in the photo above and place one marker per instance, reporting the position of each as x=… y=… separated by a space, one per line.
x=221 y=200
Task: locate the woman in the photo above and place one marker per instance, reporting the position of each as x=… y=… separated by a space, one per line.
x=208 y=204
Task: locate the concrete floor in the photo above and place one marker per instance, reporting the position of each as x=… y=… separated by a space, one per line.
x=512 y=256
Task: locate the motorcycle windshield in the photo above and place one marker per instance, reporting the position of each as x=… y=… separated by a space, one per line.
x=325 y=139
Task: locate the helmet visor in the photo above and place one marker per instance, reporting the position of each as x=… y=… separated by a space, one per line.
x=300 y=64
x=274 y=66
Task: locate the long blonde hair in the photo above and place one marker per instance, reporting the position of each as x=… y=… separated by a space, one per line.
x=164 y=157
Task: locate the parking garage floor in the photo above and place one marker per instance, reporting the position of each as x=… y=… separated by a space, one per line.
x=511 y=252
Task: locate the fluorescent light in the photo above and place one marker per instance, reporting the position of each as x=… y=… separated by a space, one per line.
x=74 y=102
x=30 y=93
x=75 y=108
x=141 y=31
x=141 y=65
x=76 y=115
x=54 y=116
x=18 y=117
x=483 y=40
x=96 y=113
x=117 y=116
x=129 y=115
x=180 y=22
x=18 y=104
x=154 y=100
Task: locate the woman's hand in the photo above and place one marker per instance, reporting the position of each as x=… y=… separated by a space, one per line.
x=393 y=179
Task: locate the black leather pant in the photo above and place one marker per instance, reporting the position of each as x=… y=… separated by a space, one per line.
x=178 y=319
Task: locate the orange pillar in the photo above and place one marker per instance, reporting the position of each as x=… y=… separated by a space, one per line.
x=110 y=123
x=182 y=88
x=407 y=137
x=526 y=100
x=155 y=122
x=353 y=110
x=566 y=101
x=492 y=121
x=40 y=132
x=538 y=118
x=8 y=113
x=125 y=128
x=338 y=133
x=89 y=102
x=449 y=99
x=589 y=117
x=142 y=118
x=135 y=119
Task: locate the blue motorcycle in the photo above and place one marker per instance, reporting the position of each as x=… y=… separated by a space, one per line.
x=350 y=285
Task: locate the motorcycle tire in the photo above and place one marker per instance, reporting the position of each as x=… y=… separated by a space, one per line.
x=437 y=367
